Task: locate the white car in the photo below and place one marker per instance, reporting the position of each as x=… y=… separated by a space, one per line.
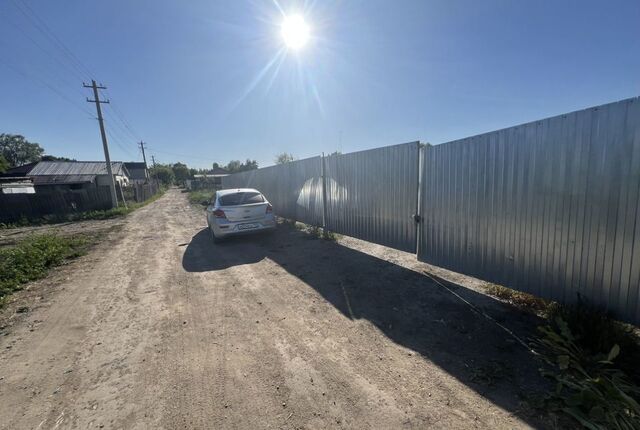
x=239 y=211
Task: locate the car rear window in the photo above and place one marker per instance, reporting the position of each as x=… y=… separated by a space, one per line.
x=236 y=199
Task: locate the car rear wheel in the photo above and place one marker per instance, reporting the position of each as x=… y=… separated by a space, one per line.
x=214 y=238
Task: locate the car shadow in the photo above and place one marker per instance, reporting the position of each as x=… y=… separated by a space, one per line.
x=407 y=306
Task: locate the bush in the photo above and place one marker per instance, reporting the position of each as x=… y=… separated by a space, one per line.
x=593 y=360
x=597 y=333
x=32 y=258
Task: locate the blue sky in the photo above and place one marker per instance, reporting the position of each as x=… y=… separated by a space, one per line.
x=203 y=81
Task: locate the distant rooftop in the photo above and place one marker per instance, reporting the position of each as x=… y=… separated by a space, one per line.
x=61 y=168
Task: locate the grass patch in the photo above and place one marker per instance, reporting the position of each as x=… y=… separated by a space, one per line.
x=201 y=197
x=517 y=298
x=593 y=360
x=32 y=258
x=313 y=231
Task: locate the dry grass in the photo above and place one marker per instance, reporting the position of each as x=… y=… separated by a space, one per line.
x=519 y=299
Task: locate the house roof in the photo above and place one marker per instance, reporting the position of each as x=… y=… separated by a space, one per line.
x=15 y=180
x=20 y=170
x=134 y=165
x=136 y=170
x=77 y=168
x=218 y=171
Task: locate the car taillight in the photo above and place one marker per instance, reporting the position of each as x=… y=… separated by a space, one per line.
x=269 y=209
x=219 y=213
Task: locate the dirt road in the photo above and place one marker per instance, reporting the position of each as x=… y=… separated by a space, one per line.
x=159 y=328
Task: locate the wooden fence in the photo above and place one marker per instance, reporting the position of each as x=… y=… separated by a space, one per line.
x=144 y=192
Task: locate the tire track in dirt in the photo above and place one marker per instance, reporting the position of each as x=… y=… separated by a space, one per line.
x=159 y=328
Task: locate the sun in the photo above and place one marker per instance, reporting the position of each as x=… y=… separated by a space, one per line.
x=295 y=31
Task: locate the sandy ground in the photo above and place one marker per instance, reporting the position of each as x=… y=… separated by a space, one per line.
x=157 y=327
x=12 y=236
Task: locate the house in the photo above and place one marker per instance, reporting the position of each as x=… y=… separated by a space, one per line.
x=138 y=173
x=211 y=179
x=64 y=175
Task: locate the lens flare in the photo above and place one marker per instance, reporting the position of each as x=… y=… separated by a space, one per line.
x=295 y=31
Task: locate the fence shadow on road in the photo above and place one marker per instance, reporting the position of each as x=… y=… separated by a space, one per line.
x=408 y=307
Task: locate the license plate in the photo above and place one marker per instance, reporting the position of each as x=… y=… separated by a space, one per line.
x=247 y=226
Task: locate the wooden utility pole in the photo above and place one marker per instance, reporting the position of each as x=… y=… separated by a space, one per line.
x=144 y=157
x=105 y=144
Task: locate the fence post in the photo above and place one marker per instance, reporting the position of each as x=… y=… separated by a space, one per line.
x=324 y=197
x=422 y=154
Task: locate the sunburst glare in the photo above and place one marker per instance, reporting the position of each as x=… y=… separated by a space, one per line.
x=295 y=31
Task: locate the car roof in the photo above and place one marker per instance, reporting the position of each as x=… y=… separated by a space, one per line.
x=236 y=190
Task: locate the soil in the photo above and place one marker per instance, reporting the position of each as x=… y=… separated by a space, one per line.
x=157 y=327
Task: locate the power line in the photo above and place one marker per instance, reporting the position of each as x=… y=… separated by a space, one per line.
x=72 y=64
x=118 y=142
x=46 y=31
x=121 y=117
x=50 y=87
x=46 y=51
x=121 y=130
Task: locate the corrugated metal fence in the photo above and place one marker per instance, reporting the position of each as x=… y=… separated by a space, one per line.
x=549 y=207
x=371 y=195
x=294 y=189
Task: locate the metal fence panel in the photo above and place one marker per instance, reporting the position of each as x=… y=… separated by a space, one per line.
x=294 y=189
x=372 y=195
x=550 y=207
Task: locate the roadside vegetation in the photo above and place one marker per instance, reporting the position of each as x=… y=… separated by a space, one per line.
x=313 y=231
x=592 y=359
x=200 y=197
x=33 y=257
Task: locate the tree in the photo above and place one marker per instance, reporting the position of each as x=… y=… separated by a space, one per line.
x=235 y=166
x=18 y=151
x=163 y=173
x=4 y=164
x=181 y=172
x=284 y=158
x=54 y=158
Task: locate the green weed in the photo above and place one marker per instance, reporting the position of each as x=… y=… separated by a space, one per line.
x=201 y=197
x=593 y=361
x=32 y=258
